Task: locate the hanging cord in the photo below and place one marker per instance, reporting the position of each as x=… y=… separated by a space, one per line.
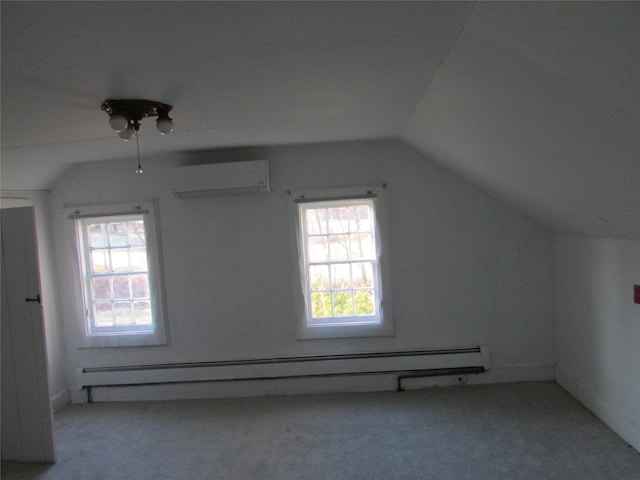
x=139 y=169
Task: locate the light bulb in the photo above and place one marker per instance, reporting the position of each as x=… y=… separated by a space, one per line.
x=127 y=134
x=164 y=125
x=118 y=122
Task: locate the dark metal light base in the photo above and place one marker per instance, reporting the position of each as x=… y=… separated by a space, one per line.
x=136 y=110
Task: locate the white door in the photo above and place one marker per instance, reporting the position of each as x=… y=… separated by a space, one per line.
x=27 y=429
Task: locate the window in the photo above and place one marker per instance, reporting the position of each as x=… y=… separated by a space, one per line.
x=121 y=284
x=341 y=264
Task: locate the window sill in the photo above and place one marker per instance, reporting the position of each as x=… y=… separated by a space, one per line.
x=136 y=340
x=311 y=332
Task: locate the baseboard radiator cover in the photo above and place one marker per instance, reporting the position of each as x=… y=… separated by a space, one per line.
x=404 y=364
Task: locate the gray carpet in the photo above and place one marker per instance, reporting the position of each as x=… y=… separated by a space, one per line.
x=517 y=431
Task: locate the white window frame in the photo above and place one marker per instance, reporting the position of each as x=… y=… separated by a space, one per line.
x=124 y=336
x=378 y=324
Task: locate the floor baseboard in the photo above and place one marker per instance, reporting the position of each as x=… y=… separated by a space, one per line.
x=60 y=400
x=611 y=415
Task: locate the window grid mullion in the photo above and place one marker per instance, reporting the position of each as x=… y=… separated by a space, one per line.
x=336 y=262
x=117 y=274
x=324 y=239
x=109 y=249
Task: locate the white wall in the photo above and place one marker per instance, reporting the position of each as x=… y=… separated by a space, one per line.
x=466 y=270
x=54 y=335
x=598 y=328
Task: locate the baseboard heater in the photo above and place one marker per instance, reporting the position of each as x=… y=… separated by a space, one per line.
x=405 y=364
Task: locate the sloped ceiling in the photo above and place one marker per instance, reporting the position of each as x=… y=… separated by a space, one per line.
x=536 y=103
x=540 y=104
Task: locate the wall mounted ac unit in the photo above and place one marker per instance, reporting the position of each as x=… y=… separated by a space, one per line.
x=220 y=178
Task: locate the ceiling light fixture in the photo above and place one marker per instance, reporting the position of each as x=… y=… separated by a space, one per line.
x=125 y=117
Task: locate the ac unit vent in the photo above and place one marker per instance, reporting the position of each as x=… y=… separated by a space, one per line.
x=220 y=178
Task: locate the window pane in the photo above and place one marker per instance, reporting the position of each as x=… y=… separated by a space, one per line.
x=318 y=249
x=97 y=235
x=360 y=218
x=101 y=288
x=123 y=313
x=116 y=274
x=342 y=303
x=319 y=277
x=100 y=261
x=364 y=302
x=362 y=245
x=140 y=286
x=340 y=275
x=316 y=219
x=142 y=313
x=341 y=261
x=362 y=274
x=120 y=260
x=321 y=305
x=339 y=247
x=103 y=314
x=121 y=288
x=136 y=233
x=338 y=219
x=118 y=234
x=138 y=260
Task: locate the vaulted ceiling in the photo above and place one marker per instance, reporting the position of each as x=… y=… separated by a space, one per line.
x=536 y=103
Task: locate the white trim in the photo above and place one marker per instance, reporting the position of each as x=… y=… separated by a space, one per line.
x=148 y=210
x=616 y=419
x=60 y=400
x=383 y=325
x=8 y=194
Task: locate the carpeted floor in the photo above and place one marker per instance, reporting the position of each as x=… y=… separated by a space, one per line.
x=515 y=431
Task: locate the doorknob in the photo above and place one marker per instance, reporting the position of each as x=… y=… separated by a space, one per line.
x=37 y=299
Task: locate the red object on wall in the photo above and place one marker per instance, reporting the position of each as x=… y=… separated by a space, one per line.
x=636 y=294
